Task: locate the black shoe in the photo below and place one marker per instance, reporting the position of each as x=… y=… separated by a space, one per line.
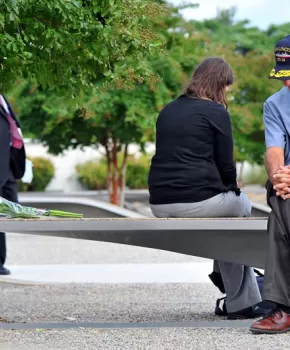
x=249 y=313
x=4 y=271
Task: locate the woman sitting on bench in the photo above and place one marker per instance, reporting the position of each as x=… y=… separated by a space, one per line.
x=193 y=174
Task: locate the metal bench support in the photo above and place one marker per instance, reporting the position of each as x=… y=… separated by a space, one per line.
x=242 y=241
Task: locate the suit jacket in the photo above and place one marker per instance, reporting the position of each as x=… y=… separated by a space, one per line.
x=4 y=148
x=10 y=158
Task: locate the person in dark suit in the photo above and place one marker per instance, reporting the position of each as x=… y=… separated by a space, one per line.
x=12 y=164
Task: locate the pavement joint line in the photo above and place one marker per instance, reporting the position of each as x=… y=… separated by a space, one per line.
x=29 y=283
x=127 y=325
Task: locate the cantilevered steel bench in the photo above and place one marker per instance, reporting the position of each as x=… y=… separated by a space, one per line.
x=238 y=240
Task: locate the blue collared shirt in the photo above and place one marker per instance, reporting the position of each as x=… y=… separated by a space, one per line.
x=277 y=121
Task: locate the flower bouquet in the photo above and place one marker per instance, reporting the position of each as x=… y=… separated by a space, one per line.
x=14 y=210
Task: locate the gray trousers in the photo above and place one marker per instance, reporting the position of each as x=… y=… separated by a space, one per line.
x=239 y=281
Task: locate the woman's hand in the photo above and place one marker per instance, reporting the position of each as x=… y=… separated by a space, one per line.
x=239 y=184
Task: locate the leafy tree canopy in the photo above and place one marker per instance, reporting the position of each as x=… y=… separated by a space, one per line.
x=72 y=44
x=115 y=117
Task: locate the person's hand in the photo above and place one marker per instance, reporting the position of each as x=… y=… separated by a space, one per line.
x=239 y=184
x=281 y=182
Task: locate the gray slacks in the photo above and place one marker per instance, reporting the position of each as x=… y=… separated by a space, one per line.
x=239 y=281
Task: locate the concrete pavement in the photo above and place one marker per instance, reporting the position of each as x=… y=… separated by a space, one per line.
x=149 y=339
x=179 y=313
x=128 y=304
x=111 y=273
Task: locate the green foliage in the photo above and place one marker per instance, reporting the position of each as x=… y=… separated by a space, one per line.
x=137 y=173
x=93 y=174
x=244 y=38
x=43 y=172
x=72 y=44
x=114 y=115
x=118 y=117
x=250 y=91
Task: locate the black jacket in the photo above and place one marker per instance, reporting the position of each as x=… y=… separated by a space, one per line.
x=9 y=158
x=194 y=153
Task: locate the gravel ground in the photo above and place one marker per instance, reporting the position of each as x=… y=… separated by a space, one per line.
x=153 y=339
x=108 y=303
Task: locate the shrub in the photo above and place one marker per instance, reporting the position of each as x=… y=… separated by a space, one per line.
x=137 y=173
x=43 y=172
x=93 y=175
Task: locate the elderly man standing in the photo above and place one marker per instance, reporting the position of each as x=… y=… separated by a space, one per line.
x=12 y=164
x=277 y=161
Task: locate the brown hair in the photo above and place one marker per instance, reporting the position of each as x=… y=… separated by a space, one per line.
x=210 y=79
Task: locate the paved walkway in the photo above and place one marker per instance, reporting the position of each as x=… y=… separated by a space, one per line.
x=126 y=316
x=71 y=294
x=140 y=339
x=111 y=273
x=36 y=259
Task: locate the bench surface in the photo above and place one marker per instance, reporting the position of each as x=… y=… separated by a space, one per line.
x=238 y=240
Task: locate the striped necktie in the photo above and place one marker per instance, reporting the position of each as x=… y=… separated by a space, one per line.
x=15 y=135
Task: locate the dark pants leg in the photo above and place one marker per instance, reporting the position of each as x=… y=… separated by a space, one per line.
x=8 y=191
x=277 y=270
x=2 y=248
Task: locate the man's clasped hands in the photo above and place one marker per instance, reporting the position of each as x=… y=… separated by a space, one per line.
x=281 y=182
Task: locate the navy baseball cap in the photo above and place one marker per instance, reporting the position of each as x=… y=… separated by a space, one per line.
x=282 y=57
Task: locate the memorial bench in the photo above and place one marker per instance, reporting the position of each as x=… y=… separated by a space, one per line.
x=237 y=240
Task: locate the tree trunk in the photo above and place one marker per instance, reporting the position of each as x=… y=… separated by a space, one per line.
x=116 y=178
x=122 y=181
x=109 y=172
x=115 y=187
